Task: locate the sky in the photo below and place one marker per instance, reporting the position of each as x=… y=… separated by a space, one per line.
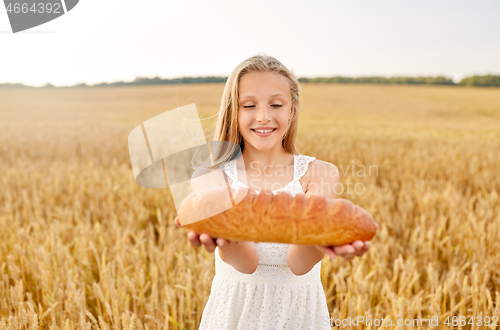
x=112 y=40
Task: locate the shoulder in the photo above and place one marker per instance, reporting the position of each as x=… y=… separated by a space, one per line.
x=323 y=178
x=326 y=167
x=204 y=178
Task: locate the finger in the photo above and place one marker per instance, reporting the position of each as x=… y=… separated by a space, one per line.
x=360 y=253
x=328 y=251
x=208 y=242
x=222 y=243
x=194 y=239
x=177 y=222
x=358 y=245
x=366 y=247
x=344 y=249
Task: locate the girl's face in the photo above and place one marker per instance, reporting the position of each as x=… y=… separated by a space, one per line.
x=265 y=103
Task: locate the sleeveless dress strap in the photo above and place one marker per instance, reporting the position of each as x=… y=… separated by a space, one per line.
x=230 y=169
x=300 y=167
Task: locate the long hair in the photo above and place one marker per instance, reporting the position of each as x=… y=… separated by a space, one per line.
x=227 y=129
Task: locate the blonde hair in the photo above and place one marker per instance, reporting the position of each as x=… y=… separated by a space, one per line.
x=227 y=129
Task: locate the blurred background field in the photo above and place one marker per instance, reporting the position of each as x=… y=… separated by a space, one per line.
x=82 y=246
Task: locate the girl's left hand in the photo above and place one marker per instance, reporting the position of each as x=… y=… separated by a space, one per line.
x=346 y=251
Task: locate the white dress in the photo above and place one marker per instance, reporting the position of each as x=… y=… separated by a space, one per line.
x=272 y=297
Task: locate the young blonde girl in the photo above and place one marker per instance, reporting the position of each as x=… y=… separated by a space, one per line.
x=267 y=285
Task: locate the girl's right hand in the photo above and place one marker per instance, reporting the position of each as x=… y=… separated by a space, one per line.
x=206 y=240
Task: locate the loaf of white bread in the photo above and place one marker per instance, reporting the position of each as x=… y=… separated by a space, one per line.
x=278 y=218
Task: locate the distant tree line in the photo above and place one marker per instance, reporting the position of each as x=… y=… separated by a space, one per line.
x=440 y=80
x=136 y=82
x=487 y=80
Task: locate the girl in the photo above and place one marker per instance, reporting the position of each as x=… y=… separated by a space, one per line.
x=267 y=285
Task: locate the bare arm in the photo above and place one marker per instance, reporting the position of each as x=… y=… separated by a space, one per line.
x=302 y=258
x=242 y=256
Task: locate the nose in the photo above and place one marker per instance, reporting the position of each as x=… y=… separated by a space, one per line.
x=263 y=114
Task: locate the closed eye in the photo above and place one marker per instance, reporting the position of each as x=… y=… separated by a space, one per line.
x=273 y=105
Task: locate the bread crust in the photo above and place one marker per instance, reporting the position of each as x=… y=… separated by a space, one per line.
x=280 y=218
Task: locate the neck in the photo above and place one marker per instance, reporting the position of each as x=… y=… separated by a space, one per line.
x=260 y=159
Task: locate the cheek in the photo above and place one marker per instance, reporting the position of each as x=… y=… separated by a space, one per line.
x=243 y=123
x=283 y=121
x=243 y=127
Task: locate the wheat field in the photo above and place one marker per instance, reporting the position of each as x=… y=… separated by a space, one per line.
x=82 y=246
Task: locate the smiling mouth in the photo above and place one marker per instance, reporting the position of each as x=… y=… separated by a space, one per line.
x=264 y=131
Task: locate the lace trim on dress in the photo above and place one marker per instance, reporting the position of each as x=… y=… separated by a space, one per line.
x=277 y=281
x=301 y=168
x=300 y=165
x=273 y=266
x=229 y=169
